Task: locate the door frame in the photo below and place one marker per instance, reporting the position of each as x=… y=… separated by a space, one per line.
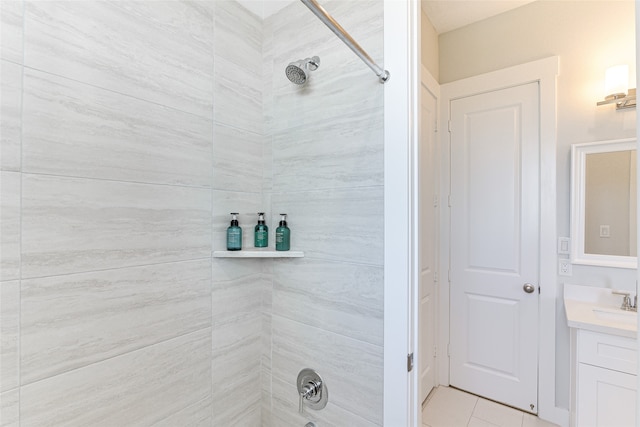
x=544 y=72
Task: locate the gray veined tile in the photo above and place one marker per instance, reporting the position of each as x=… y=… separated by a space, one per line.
x=137 y=388
x=236 y=289
x=9 y=335
x=344 y=152
x=238 y=35
x=353 y=370
x=197 y=415
x=74 y=129
x=128 y=308
x=237 y=159
x=11 y=33
x=344 y=298
x=10 y=408
x=238 y=100
x=160 y=51
x=285 y=410
x=342 y=225
x=238 y=403
x=72 y=225
x=10 y=114
x=9 y=225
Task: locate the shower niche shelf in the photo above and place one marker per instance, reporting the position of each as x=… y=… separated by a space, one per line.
x=258 y=253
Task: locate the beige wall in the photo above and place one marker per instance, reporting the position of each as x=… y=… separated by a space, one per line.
x=588 y=37
x=429 y=50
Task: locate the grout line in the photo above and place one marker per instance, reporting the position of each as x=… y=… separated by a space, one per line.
x=75 y=273
x=91 y=178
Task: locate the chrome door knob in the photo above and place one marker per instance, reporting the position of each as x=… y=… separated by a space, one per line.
x=529 y=288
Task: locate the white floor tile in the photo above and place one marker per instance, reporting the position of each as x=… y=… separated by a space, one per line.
x=533 y=421
x=497 y=414
x=477 y=422
x=449 y=408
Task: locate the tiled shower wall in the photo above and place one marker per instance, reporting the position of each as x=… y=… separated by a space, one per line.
x=324 y=152
x=129 y=131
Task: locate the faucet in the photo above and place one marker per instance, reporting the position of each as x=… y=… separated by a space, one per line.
x=627 y=305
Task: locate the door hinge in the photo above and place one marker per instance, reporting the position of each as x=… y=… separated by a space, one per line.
x=449 y=276
x=448 y=350
x=435 y=201
x=435 y=277
x=435 y=351
x=449 y=200
x=409 y=362
x=449 y=126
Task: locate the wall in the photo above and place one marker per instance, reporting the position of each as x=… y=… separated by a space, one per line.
x=588 y=37
x=124 y=126
x=429 y=49
x=323 y=166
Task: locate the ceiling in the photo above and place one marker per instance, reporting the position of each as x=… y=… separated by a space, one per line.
x=447 y=15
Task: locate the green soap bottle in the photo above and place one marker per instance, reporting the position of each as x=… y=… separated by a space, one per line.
x=283 y=235
x=261 y=233
x=234 y=234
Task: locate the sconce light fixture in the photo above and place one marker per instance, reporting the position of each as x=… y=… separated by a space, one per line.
x=616 y=88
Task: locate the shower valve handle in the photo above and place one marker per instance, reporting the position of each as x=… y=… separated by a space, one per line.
x=312 y=390
x=309 y=391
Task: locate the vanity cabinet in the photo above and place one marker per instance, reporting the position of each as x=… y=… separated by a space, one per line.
x=604 y=368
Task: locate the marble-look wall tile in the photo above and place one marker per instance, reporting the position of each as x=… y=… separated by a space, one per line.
x=197 y=415
x=342 y=225
x=285 y=410
x=248 y=205
x=9 y=335
x=10 y=114
x=137 y=388
x=236 y=289
x=10 y=408
x=11 y=34
x=353 y=370
x=238 y=100
x=344 y=298
x=237 y=159
x=344 y=152
x=74 y=129
x=160 y=51
x=233 y=402
x=9 y=225
x=131 y=308
x=238 y=35
x=73 y=224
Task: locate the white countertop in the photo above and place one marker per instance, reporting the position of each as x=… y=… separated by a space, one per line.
x=597 y=309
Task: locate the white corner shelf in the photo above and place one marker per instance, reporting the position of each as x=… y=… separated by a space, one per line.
x=258 y=253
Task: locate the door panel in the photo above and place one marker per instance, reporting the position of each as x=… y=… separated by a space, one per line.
x=428 y=241
x=495 y=245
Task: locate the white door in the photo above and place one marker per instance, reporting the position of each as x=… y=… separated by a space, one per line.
x=494 y=245
x=427 y=182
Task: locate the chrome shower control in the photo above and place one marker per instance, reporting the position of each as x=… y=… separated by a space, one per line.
x=312 y=390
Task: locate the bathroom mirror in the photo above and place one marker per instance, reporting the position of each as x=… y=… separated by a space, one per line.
x=603 y=204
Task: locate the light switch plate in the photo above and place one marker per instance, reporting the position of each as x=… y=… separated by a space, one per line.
x=564 y=245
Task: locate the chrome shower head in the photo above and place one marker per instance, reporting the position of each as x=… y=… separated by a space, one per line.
x=298 y=72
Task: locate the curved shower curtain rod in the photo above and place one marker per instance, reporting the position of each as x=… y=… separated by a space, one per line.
x=346 y=38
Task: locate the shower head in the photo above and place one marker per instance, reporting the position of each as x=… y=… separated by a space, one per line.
x=298 y=72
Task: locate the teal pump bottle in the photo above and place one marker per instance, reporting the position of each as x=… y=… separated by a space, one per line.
x=234 y=234
x=261 y=233
x=283 y=235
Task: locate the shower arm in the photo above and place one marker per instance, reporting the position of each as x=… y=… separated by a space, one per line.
x=333 y=25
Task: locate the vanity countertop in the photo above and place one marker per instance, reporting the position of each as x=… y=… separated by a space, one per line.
x=597 y=309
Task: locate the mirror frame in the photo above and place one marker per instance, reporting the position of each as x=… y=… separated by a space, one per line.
x=578 y=158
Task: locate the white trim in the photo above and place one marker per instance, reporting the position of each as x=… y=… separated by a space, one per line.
x=637 y=11
x=543 y=71
x=400 y=96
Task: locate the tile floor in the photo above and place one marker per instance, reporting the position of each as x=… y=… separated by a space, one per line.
x=449 y=407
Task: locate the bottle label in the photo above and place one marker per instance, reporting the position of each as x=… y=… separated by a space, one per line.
x=233 y=238
x=261 y=239
x=279 y=237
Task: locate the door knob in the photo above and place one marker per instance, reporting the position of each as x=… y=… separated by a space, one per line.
x=529 y=288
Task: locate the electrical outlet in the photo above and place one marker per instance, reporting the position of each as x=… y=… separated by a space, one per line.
x=564 y=267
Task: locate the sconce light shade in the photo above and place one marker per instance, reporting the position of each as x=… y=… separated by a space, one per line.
x=616 y=88
x=616 y=81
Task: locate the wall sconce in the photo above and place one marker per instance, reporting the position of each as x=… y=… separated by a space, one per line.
x=616 y=84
